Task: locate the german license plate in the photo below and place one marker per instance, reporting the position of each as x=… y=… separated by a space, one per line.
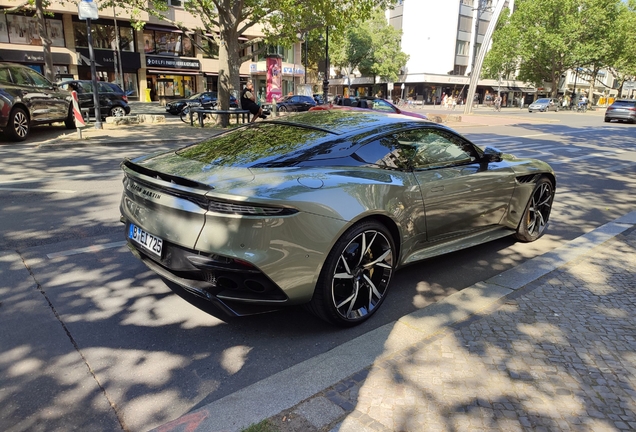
x=146 y=240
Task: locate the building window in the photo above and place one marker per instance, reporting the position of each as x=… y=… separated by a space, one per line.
x=465 y=24
x=210 y=49
x=168 y=43
x=104 y=36
x=20 y=29
x=462 y=48
x=174 y=3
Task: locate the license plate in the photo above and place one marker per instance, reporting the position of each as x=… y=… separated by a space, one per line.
x=146 y=240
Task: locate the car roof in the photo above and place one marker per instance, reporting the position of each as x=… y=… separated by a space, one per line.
x=348 y=122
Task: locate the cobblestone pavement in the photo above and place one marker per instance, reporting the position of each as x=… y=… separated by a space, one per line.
x=559 y=354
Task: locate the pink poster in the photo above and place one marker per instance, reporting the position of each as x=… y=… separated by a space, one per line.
x=274 y=78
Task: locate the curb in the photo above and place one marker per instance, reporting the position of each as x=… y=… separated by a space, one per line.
x=300 y=389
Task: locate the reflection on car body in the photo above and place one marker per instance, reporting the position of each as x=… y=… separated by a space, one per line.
x=321 y=208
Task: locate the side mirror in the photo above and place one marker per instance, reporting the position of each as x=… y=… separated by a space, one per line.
x=492 y=154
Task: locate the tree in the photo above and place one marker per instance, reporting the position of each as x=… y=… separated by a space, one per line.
x=543 y=39
x=282 y=21
x=373 y=48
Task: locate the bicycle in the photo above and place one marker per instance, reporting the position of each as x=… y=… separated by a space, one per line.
x=582 y=107
x=184 y=115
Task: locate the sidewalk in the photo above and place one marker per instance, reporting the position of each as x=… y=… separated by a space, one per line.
x=548 y=345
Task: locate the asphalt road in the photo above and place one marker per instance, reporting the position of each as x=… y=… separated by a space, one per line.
x=96 y=341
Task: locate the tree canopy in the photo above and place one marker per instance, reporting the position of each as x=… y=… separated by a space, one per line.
x=543 y=39
x=372 y=47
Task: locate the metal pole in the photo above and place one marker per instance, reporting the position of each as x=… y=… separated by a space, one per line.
x=325 y=82
x=306 y=35
x=474 y=74
x=91 y=54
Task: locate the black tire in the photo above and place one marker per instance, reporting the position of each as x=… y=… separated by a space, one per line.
x=117 y=111
x=607 y=120
x=537 y=212
x=18 y=126
x=185 y=115
x=283 y=108
x=69 y=121
x=355 y=278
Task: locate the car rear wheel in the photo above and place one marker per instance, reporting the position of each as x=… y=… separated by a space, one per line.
x=283 y=108
x=607 y=120
x=354 y=280
x=18 y=126
x=535 y=217
x=117 y=111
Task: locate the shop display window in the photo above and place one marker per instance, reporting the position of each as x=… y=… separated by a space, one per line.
x=104 y=36
x=20 y=29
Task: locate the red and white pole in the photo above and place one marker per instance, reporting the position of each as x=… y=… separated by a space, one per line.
x=77 y=113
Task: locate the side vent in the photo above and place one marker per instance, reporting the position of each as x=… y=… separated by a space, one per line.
x=526 y=178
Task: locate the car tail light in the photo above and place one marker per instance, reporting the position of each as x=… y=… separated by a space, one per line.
x=248 y=210
x=124 y=97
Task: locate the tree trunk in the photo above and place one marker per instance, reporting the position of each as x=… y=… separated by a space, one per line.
x=46 y=41
x=229 y=79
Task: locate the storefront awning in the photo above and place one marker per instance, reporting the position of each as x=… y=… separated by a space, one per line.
x=173 y=72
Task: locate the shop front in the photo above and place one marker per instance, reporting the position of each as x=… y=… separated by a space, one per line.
x=171 y=77
x=35 y=60
x=105 y=67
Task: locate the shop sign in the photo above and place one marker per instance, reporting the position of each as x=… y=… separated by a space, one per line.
x=293 y=71
x=258 y=67
x=33 y=57
x=172 y=63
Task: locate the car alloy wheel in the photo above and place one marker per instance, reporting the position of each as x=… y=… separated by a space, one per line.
x=18 y=126
x=535 y=218
x=355 y=278
x=117 y=111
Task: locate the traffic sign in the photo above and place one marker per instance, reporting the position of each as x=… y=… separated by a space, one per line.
x=87 y=9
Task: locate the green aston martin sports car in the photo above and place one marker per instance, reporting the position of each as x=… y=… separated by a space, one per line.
x=321 y=208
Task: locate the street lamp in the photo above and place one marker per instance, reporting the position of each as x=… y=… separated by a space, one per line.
x=325 y=82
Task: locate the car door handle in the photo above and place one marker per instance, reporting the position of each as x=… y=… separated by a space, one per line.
x=437 y=189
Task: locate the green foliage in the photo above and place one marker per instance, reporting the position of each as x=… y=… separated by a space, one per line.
x=373 y=47
x=264 y=426
x=545 y=38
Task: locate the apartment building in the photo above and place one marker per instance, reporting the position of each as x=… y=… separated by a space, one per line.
x=158 y=62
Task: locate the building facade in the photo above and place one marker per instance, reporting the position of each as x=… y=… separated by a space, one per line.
x=159 y=62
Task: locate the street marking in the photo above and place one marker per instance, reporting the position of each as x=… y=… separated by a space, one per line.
x=37 y=190
x=90 y=249
x=65 y=177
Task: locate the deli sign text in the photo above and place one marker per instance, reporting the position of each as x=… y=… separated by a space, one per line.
x=172 y=63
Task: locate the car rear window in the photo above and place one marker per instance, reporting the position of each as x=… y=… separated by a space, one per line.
x=624 y=104
x=542 y=100
x=260 y=145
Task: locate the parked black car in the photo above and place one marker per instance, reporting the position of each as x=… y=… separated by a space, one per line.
x=206 y=99
x=27 y=99
x=111 y=102
x=621 y=110
x=296 y=103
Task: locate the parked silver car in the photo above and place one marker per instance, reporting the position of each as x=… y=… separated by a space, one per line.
x=544 y=104
x=621 y=110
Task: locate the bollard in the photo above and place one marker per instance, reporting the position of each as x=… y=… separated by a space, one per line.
x=77 y=114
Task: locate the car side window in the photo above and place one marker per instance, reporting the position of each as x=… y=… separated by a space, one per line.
x=19 y=77
x=87 y=87
x=380 y=105
x=38 y=79
x=386 y=152
x=432 y=148
x=104 y=88
x=4 y=75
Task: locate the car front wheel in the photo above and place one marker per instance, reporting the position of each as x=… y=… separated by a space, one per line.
x=537 y=212
x=18 y=126
x=117 y=111
x=354 y=280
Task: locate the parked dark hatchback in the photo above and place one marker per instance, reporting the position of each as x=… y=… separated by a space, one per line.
x=27 y=99
x=296 y=103
x=111 y=102
x=622 y=110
